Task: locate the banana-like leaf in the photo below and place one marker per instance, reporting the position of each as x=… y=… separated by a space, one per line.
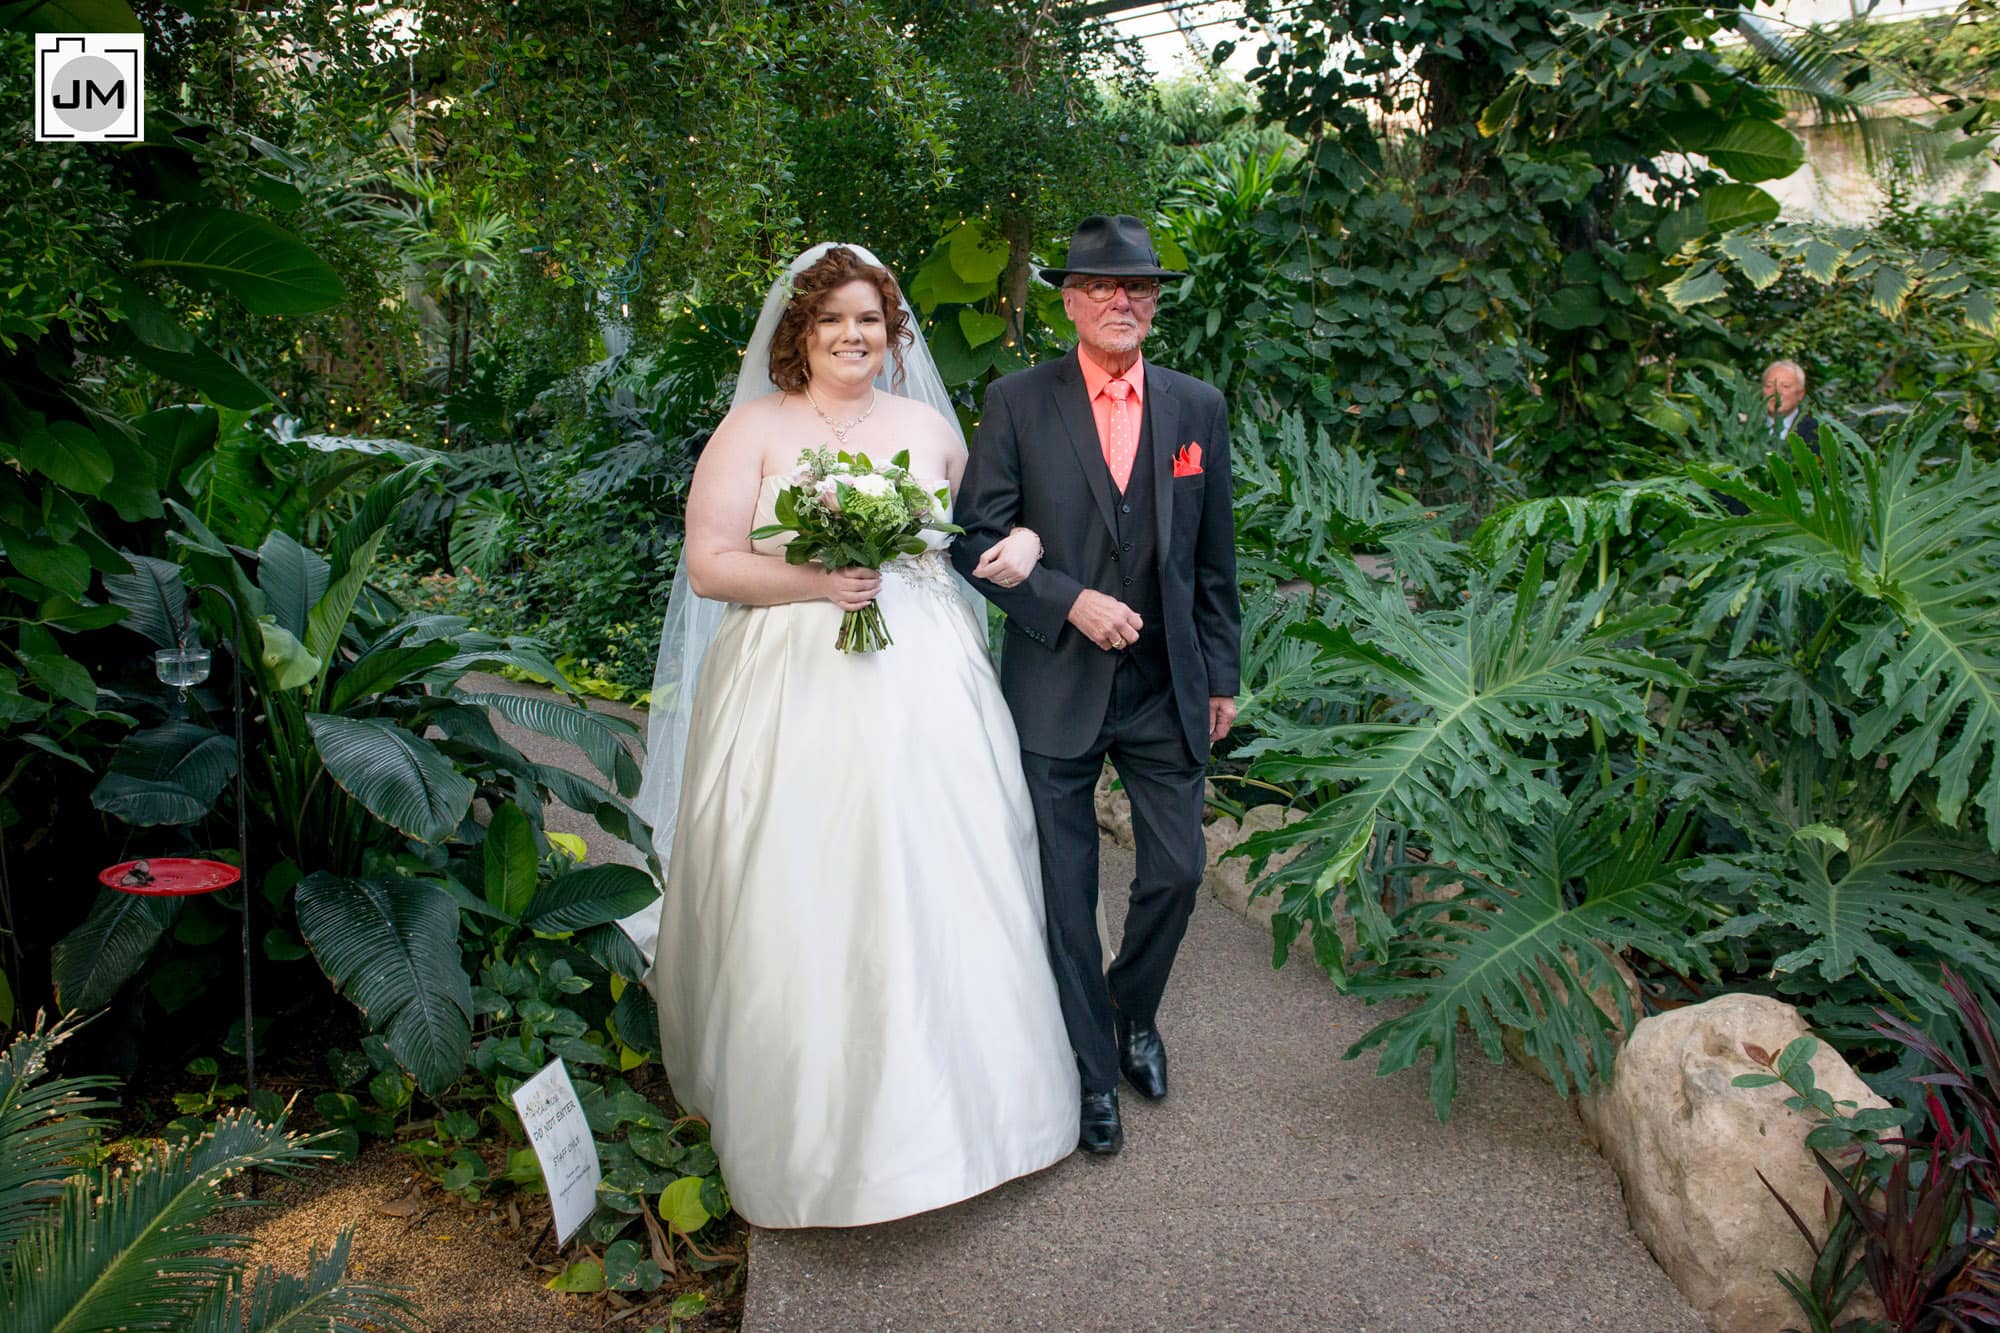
x=170 y=774
x=285 y=660
x=44 y=1127
x=1525 y=945
x=601 y=736
x=91 y=962
x=586 y=797
x=293 y=580
x=391 y=945
x=269 y=270
x=154 y=597
x=1920 y=547
x=591 y=896
x=1461 y=703
x=126 y=1247
x=397 y=776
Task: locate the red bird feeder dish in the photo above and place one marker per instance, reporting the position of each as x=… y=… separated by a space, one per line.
x=169 y=876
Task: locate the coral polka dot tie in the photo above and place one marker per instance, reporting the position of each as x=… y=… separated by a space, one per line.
x=1123 y=444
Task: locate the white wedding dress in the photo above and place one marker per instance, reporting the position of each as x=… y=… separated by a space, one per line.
x=852 y=971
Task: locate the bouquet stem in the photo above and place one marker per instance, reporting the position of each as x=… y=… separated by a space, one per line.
x=863 y=631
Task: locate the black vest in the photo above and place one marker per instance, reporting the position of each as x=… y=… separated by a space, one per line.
x=1135 y=573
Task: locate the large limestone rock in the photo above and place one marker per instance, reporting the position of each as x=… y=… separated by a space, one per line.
x=1228 y=879
x=1688 y=1146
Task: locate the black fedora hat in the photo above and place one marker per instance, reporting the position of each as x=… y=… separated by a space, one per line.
x=1110 y=247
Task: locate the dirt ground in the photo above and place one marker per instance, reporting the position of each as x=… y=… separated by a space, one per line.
x=467 y=1264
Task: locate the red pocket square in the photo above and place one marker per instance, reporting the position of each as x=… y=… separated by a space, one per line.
x=1187 y=463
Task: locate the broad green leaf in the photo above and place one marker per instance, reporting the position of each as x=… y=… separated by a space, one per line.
x=681 y=1207
x=1893 y=285
x=261 y=264
x=978 y=252
x=1752 y=260
x=979 y=327
x=91 y=962
x=284 y=657
x=511 y=865
x=170 y=774
x=201 y=368
x=67 y=453
x=391 y=945
x=396 y=775
x=1731 y=206
x=591 y=896
x=1749 y=150
x=154 y=598
x=602 y=737
x=59 y=567
x=293 y=580
x=1820 y=260
x=1700 y=284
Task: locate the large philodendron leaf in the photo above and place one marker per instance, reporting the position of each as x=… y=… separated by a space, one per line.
x=168 y=775
x=391 y=945
x=269 y=270
x=1525 y=945
x=398 y=777
x=1921 y=546
x=601 y=736
x=1842 y=877
x=91 y=962
x=1462 y=702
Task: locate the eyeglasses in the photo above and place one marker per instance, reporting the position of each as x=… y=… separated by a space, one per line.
x=1140 y=291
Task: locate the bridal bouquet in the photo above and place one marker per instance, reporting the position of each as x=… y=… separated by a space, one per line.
x=849 y=513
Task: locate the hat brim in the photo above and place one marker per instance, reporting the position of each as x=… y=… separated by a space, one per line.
x=1056 y=275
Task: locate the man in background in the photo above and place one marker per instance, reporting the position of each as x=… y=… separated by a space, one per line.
x=1784 y=391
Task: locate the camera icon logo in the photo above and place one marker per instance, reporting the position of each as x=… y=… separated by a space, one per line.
x=90 y=87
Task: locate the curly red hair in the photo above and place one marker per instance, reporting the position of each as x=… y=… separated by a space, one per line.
x=810 y=289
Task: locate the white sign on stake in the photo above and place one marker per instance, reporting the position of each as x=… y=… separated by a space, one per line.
x=554 y=1120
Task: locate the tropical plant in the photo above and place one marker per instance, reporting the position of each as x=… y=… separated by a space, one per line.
x=130 y=1246
x=1914 y=1220
x=370 y=754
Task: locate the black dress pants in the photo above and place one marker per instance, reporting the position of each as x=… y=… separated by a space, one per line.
x=1143 y=736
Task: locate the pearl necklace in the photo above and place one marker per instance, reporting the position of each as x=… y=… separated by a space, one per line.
x=840 y=431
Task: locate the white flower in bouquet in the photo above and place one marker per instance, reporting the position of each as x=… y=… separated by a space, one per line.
x=883 y=514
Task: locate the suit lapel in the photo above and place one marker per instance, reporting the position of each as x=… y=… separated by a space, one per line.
x=1081 y=426
x=1163 y=415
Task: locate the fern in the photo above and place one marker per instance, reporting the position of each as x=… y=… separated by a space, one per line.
x=1462 y=703
x=1525 y=944
x=1917 y=549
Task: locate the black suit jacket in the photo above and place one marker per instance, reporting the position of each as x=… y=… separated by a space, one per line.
x=1036 y=463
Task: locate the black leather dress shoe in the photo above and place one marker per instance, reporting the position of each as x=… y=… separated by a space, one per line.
x=1101 y=1132
x=1143 y=1057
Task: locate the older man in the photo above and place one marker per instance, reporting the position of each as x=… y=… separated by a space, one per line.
x=1784 y=391
x=1121 y=641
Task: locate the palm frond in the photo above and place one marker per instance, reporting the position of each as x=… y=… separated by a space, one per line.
x=323 y=1300
x=43 y=1127
x=126 y=1247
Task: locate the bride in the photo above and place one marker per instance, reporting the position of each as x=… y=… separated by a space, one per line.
x=851 y=970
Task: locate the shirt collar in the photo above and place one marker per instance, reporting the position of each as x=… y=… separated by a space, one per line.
x=1095 y=377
